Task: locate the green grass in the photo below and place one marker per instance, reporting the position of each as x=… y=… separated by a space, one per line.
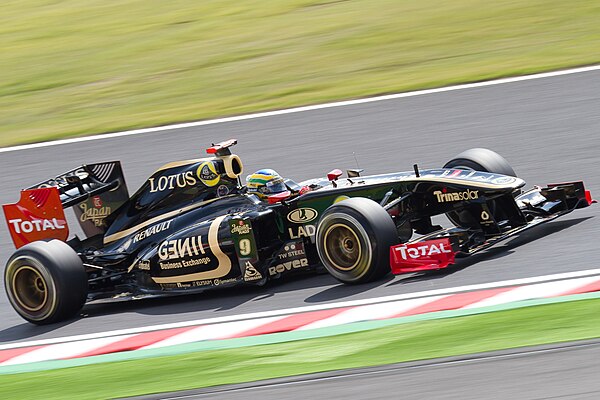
x=75 y=67
x=422 y=340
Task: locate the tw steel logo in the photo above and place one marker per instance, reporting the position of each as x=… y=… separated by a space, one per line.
x=426 y=250
x=443 y=197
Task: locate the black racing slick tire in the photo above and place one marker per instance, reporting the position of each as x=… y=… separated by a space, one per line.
x=46 y=282
x=353 y=240
x=483 y=160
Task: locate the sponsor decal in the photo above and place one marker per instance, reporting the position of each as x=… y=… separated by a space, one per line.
x=180 y=248
x=302 y=231
x=222 y=191
x=486 y=218
x=240 y=228
x=485 y=177
x=291 y=251
x=251 y=274
x=38 y=215
x=163 y=226
x=97 y=201
x=191 y=247
x=182 y=285
x=425 y=250
x=144 y=265
x=96 y=214
x=288 y=266
x=207 y=173
x=202 y=283
x=503 y=180
x=243 y=239
x=302 y=215
x=199 y=283
x=442 y=196
x=37 y=225
x=170 y=182
x=218 y=282
x=190 y=284
x=474 y=176
x=184 y=263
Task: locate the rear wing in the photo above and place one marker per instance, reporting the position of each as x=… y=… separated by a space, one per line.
x=96 y=190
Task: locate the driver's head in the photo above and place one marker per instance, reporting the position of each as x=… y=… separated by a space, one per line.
x=264 y=183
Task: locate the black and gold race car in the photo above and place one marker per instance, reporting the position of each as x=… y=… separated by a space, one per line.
x=193 y=226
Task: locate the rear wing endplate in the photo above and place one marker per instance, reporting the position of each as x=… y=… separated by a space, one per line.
x=94 y=191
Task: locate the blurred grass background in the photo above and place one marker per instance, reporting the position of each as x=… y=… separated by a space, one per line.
x=76 y=67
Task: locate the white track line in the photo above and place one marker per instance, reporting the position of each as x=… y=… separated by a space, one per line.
x=276 y=313
x=304 y=108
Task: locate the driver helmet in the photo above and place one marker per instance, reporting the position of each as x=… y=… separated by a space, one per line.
x=265 y=182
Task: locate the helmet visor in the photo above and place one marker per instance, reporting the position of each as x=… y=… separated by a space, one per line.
x=276 y=187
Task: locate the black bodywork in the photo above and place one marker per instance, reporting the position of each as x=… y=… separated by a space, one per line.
x=192 y=225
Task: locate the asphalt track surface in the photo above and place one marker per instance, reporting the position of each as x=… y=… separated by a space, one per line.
x=526 y=374
x=548 y=129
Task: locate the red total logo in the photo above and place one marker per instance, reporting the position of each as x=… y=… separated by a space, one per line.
x=426 y=250
x=37 y=225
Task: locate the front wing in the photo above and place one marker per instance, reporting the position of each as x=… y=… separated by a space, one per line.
x=439 y=249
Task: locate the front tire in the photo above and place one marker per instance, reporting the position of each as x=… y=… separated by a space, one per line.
x=483 y=160
x=46 y=282
x=353 y=240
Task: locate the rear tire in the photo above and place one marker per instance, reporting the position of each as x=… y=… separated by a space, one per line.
x=353 y=240
x=46 y=282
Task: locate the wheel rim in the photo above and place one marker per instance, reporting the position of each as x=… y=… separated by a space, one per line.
x=342 y=247
x=29 y=288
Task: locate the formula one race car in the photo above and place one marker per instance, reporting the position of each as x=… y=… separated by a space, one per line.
x=192 y=226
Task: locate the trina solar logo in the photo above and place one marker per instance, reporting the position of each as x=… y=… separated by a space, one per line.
x=442 y=196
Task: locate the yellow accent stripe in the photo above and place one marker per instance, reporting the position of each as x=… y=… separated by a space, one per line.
x=224 y=262
x=182 y=163
x=126 y=232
